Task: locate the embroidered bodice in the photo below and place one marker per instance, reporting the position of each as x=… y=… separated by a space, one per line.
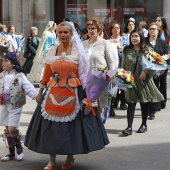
x=69 y=64
x=64 y=71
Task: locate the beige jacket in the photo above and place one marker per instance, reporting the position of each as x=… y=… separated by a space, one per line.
x=101 y=55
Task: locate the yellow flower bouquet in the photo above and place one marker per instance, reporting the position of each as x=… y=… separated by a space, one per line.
x=126 y=76
x=123 y=79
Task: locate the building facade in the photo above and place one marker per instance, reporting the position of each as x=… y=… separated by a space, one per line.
x=27 y=13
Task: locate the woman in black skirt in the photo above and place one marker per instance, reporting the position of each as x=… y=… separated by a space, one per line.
x=59 y=125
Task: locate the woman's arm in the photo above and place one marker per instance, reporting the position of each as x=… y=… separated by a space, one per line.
x=109 y=56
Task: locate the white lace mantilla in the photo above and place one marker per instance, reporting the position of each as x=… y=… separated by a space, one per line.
x=68 y=58
x=56 y=118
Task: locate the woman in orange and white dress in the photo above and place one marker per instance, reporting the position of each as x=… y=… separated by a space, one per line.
x=59 y=125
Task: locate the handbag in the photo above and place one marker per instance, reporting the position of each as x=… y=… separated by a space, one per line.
x=26 y=54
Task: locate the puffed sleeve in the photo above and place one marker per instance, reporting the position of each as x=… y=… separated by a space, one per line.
x=47 y=74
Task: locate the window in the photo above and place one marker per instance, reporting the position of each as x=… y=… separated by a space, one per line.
x=110 y=11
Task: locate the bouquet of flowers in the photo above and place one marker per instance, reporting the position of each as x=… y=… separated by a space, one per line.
x=97 y=80
x=123 y=79
x=4 y=44
x=166 y=57
x=153 y=61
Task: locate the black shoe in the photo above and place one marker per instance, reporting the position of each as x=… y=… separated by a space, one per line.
x=163 y=107
x=112 y=112
x=127 y=131
x=142 y=129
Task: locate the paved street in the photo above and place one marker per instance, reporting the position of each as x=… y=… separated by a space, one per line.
x=148 y=151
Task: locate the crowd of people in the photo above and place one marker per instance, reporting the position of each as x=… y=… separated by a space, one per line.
x=61 y=61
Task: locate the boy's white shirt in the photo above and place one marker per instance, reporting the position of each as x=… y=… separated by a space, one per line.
x=26 y=85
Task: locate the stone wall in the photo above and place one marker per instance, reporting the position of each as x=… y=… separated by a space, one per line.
x=25 y=14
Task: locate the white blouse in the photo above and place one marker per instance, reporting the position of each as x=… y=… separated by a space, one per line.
x=100 y=54
x=27 y=86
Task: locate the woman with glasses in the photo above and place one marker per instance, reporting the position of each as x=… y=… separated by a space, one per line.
x=116 y=33
x=145 y=94
x=154 y=41
x=161 y=22
x=100 y=53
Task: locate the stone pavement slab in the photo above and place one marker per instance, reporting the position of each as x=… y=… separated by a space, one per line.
x=148 y=151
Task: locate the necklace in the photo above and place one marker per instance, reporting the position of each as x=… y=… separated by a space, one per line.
x=67 y=47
